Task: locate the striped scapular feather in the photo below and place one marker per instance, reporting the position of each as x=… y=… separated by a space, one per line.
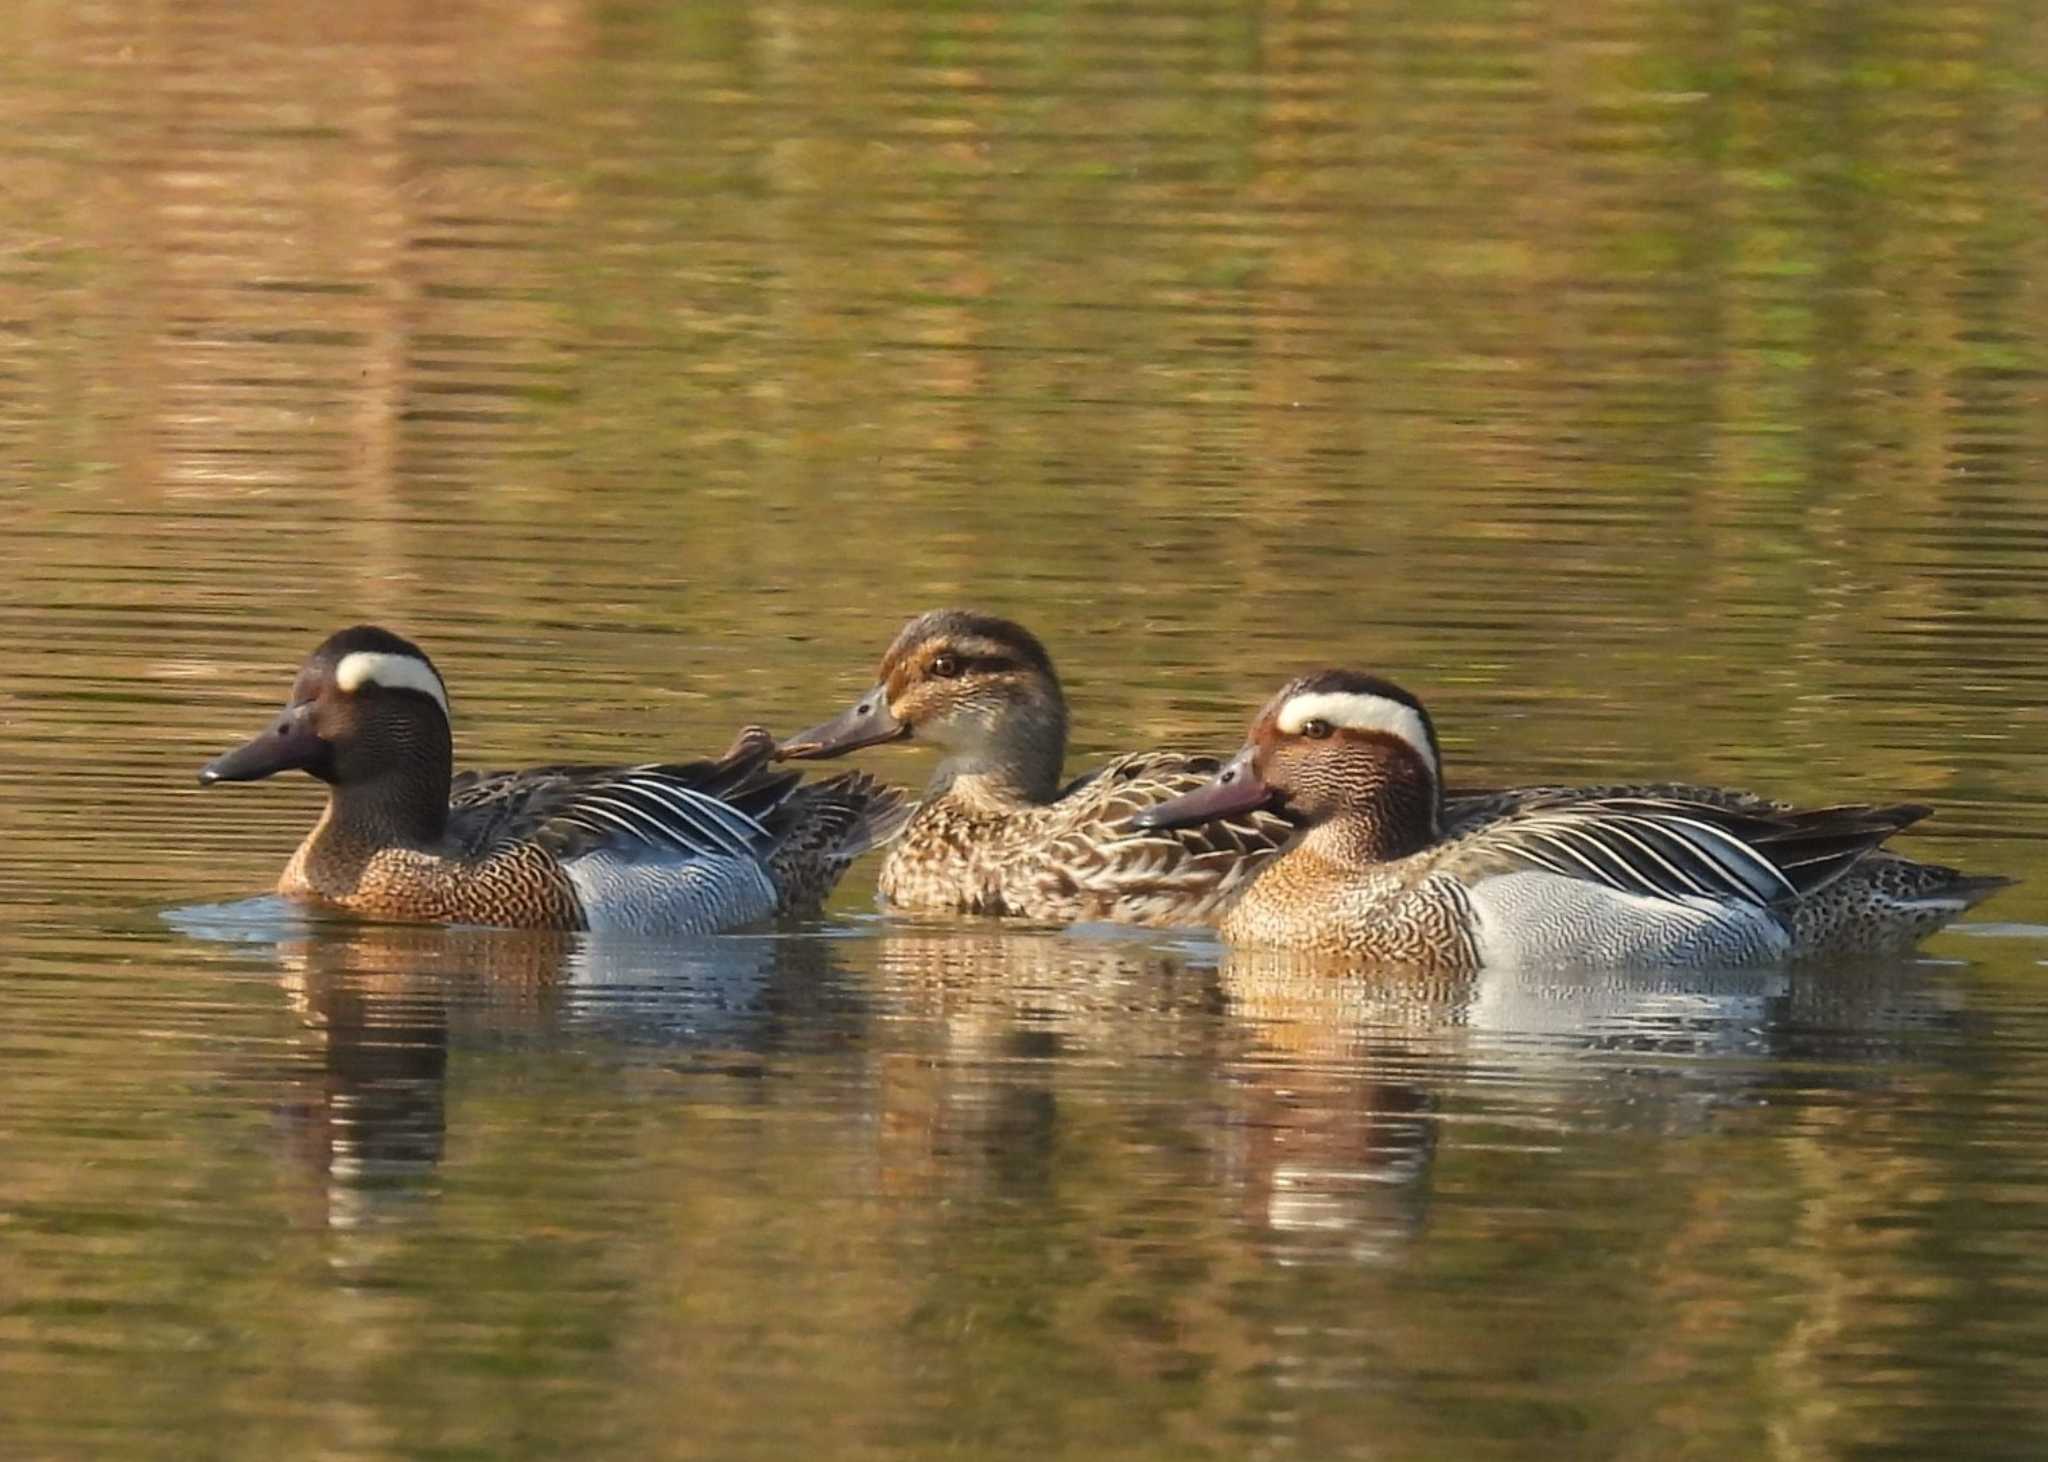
x=1675 y=849
x=725 y=807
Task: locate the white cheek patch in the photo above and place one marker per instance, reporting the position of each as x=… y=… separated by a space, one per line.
x=1357 y=712
x=393 y=672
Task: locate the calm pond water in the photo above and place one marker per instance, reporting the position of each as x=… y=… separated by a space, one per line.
x=1659 y=388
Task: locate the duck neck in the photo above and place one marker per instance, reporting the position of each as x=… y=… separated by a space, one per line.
x=1397 y=819
x=991 y=787
x=403 y=804
x=1018 y=766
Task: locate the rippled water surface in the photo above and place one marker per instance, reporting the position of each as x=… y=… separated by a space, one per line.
x=1660 y=389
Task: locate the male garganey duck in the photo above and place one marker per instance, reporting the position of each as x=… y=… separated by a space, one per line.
x=996 y=832
x=1542 y=876
x=656 y=849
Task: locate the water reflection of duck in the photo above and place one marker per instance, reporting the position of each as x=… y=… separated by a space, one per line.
x=384 y=1005
x=1039 y=1044
x=1339 y=1098
x=1332 y=1125
x=656 y=849
x=1008 y=1041
x=1671 y=876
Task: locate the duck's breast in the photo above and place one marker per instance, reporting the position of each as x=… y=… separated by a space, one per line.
x=1535 y=918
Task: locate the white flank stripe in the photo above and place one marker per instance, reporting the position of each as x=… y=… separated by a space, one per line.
x=393 y=672
x=742 y=824
x=1615 y=868
x=1561 y=848
x=683 y=825
x=1357 y=712
x=653 y=827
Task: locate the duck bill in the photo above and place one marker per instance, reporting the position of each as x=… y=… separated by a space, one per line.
x=289 y=745
x=866 y=722
x=1236 y=789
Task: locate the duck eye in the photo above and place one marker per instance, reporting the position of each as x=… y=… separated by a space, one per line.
x=946 y=667
x=1316 y=728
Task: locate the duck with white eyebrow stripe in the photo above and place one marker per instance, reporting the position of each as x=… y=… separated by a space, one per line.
x=1685 y=877
x=658 y=849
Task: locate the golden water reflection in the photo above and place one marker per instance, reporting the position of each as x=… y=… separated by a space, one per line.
x=1655 y=388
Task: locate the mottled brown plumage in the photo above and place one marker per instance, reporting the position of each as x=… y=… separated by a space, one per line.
x=996 y=832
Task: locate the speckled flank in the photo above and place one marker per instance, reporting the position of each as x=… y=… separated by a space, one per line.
x=622 y=892
x=831 y=823
x=1072 y=859
x=1884 y=905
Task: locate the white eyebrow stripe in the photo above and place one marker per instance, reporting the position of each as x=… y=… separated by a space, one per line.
x=393 y=672
x=1356 y=711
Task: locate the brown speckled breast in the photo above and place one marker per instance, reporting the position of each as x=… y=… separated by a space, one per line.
x=1300 y=903
x=519 y=887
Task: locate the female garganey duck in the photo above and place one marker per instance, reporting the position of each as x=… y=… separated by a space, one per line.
x=657 y=849
x=996 y=832
x=1542 y=876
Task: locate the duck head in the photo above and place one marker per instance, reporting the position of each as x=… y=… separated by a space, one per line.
x=368 y=709
x=979 y=688
x=1333 y=749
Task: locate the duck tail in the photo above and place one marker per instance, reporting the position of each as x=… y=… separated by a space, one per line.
x=1924 y=895
x=1933 y=887
x=828 y=824
x=1967 y=890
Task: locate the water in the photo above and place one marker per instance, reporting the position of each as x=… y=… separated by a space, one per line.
x=1658 y=389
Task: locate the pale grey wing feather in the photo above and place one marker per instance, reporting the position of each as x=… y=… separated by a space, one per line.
x=718 y=820
x=1668 y=850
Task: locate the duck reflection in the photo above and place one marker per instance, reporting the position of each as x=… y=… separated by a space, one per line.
x=1005 y=1043
x=1019 y=1059
x=1334 y=1106
x=366 y=1108
x=1347 y=1077
x=383 y=1006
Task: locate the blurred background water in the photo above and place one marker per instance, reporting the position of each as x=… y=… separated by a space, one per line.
x=1660 y=389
